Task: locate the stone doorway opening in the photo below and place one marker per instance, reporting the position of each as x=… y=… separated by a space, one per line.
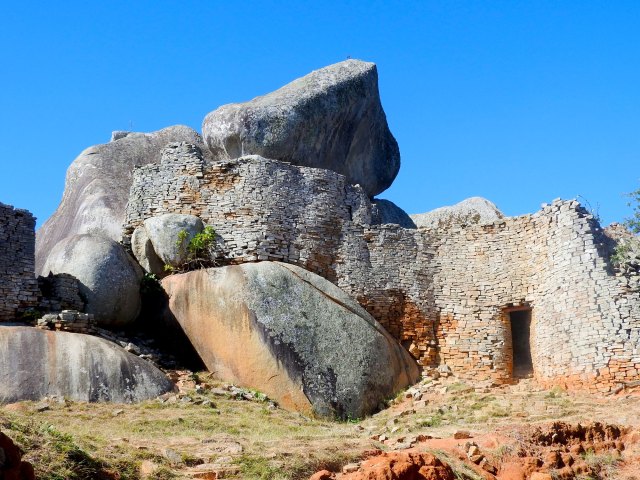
x=520 y=322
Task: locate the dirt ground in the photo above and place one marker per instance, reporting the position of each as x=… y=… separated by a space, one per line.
x=214 y=430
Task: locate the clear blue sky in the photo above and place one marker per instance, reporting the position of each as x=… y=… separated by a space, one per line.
x=519 y=102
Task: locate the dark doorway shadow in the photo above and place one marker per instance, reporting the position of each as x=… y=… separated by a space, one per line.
x=520 y=321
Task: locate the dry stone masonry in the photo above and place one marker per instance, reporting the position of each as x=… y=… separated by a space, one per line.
x=448 y=293
x=21 y=292
x=18 y=285
x=69 y=321
x=59 y=292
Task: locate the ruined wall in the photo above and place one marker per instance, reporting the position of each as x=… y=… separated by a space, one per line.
x=444 y=293
x=586 y=320
x=263 y=209
x=18 y=286
x=59 y=292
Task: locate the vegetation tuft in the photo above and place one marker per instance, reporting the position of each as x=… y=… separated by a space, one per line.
x=199 y=251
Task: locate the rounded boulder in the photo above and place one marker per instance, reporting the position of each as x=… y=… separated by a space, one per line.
x=109 y=277
x=331 y=118
x=291 y=334
x=165 y=233
x=38 y=363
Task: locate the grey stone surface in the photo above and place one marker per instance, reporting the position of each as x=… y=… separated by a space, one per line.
x=109 y=277
x=163 y=232
x=18 y=286
x=468 y=212
x=142 y=249
x=97 y=187
x=36 y=363
x=331 y=118
x=385 y=212
x=286 y=331
x=442 y=291
x=118 y=134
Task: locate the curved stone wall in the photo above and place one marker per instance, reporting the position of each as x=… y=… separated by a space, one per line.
x=445 y=293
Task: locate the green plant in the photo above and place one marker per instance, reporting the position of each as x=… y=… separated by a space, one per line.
x=555 y=392
x=433 y=421
x=181 y=242
x=259 y=468
x=633 y=223
x=602 y=465
x=352 y=420
x=199 y=251
x=202 y=244
x=150 y=284
x=620 y=253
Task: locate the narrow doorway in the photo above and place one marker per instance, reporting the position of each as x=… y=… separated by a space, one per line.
x=520 y=334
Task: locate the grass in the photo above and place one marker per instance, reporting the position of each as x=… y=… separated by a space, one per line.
x=460 y=469
x=75 y=440
x=603 y=465
x=57 y=456
x=78 y=440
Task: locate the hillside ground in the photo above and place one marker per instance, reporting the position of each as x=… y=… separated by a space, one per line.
x=214 y=430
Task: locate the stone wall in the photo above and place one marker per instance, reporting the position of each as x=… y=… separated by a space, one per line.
x=18 y=286
x=59 y=292
x=445 y=293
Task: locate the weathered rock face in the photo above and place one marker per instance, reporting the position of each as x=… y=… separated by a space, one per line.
x=384 y=212
x=447 y=291
x=36 y=363
x=97 y=187
x=142 y=249
x=290 y=334
x=110 y=278
x=474 y=210
x=331 y=118
x=164 y=234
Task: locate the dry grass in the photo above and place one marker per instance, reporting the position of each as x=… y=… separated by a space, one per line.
x=81 y=440
x=76 y=440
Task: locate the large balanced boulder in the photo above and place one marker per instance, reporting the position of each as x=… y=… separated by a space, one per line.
x=474 y=210
x=165 y=234
x=290 y=334
x=331 y=118
x=97 y=186
x=109 y=277
x=37 y=363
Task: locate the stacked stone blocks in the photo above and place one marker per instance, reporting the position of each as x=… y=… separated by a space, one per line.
x=69 y=321
x=445 y=292
x=18 y=286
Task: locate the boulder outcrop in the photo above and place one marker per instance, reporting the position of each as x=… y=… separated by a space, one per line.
x=109 y=277
x=290 y=334
x=474 y=210
x=97 y=187
x=444 y=292
x=37 y=363
x=385 y=212
x=143 y=250
x=331 y=118
x=163 y=232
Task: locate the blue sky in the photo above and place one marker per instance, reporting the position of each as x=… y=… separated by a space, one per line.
x=519 y=102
